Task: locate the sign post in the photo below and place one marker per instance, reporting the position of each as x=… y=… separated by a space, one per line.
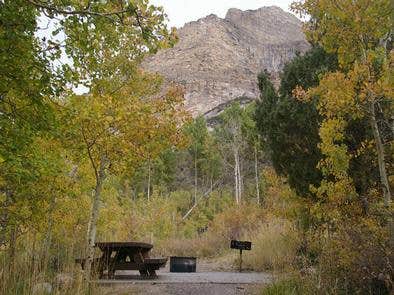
x=240 y=245
x=240 y=260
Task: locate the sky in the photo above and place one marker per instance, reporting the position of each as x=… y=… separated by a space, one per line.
x=183 y=11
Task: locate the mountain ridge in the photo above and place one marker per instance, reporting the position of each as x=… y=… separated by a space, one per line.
x=217 y=60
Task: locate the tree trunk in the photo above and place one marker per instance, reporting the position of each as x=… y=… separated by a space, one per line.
x=134 y=193
x=48 y=235
x=12 y=249
x=237 y=176
x=4 y=217
x=195 y=178
x=94 y=217
x=256 y=172
x=211 y=182
x=381 y=157
x=33 y=271
x=240 y=179
x=206 y=194
x=149 y=179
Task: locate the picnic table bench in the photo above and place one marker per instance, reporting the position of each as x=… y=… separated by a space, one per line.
x=125 y=256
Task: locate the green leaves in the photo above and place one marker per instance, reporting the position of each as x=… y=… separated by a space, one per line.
x=106 y=33
x=44 y=127
x=290 y=128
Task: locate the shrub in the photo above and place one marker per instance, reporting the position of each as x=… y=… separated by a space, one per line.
x=357 y=258
x=292 y=286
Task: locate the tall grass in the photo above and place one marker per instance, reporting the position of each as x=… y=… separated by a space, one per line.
x=33 y=271
x=233 y=223
x=275 y=244
x=290 y=286
x=274 y=241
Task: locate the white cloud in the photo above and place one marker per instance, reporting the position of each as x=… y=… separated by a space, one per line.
x=183 y=11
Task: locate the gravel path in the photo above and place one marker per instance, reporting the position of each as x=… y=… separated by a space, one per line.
x=213 y=277
x=201 y=283
x=195 y=278
x=184 y=289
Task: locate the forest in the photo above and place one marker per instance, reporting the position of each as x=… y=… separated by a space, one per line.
x=305 y=171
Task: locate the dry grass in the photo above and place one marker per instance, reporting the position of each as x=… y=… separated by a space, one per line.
x=27 y=273
x=275 y=241
x=274 y=246
x=232 y=223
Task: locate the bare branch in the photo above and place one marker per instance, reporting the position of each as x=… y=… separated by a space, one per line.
x=86 y=11
x=88 y=148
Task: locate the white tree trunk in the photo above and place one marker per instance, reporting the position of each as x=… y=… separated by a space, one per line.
x=94 y=217
x=211 y=182
x=381 y=157
x=149 y=179
x=195 y=177
x=240 y=184
x=237 y=175
x=235 y=178
x=206 y=194
x=256 y=172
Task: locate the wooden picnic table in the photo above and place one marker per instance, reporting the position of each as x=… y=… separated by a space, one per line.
x=126 y=256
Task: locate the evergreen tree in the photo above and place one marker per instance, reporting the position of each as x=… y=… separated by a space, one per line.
x=288 y=126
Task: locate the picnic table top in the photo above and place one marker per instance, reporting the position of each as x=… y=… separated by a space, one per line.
x=119 y=245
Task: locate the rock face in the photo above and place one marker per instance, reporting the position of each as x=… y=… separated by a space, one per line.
x=217 y=60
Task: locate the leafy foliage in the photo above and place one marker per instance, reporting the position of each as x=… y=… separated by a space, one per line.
x=360 y=87
x=290 y=127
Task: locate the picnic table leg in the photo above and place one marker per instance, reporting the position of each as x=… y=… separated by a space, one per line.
x=104 y=263
x=144 y=272
x=100 y=269
x=152 y=273
x=111 y=268
x=139 y=258
x=111 y=273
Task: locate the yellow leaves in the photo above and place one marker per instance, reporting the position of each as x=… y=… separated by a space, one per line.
x=338 y=103
x=336 y=199
x=336 y=161
x=331 y=131
x=385 y=84
x=171 y=39
x=128 y=122
x=356 y=31
x=301 y=94
x=348 y=28
x=337 y=95
x=2 y=198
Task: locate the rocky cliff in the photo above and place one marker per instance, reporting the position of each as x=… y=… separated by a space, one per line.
x=217 y=60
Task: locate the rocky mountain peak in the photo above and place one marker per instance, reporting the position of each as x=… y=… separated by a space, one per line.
x=270 y=24
x=217 y=60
